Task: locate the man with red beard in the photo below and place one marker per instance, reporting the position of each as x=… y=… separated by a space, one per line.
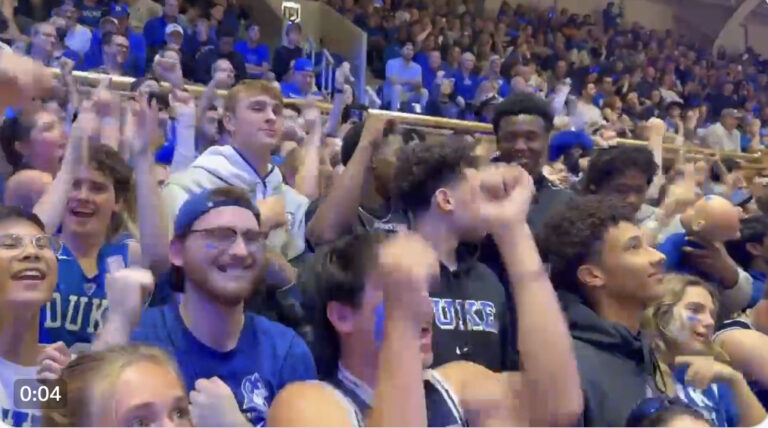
x=234 y=363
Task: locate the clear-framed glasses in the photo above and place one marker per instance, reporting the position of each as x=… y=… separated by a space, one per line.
x=15 y=242
x=222 y=238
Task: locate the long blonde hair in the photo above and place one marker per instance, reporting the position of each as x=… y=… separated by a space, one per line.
x=659 y=321
x=91 y=377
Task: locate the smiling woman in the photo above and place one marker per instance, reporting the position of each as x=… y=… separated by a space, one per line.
x=125 y=386
x=694 y=369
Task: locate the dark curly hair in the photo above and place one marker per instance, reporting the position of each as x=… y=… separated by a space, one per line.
x=753 y=229
x=608 y=164
x=523 y=103
x=574 y=235
x=423 y=168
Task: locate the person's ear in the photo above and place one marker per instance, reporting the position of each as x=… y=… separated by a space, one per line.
x=22 y=148
x=341 y=316
x=229 y=122
x=444 y=200
x=754 y=248
x=176 y=252
x=591 y=276
x=698 y=225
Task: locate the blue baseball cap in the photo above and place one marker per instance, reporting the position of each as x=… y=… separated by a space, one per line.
x=199 y=204
x=118 y=10
x=303 y=64
x=566 y=140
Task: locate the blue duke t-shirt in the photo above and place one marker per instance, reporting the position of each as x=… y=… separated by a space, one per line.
x=716 y=402
x=257 y=56
x=79 y=303
x=268 y=356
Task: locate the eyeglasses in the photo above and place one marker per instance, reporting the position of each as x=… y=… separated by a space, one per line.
x=15 y=242
x=222 y=238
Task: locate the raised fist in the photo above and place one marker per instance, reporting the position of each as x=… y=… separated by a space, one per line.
x=52 y=361
x=273 y=214
x=406 y=265
x=212 y=404
x=656 y=128
x=126 y=291
x=22 y=79
x=501 y=194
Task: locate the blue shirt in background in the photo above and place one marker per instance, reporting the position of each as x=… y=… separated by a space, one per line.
x=136 y=62
x=79 y=302
x=672 y=248
x=716 y=402
x=89 y=15
x=257 y=56
x=465 y=86
x=267 y=357
x=154 y=32
x=290 y=90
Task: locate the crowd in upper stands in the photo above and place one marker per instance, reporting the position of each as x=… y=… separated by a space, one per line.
x=230 y=258
x=444 y=58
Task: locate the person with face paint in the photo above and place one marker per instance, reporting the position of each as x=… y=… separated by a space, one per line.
x=681 y=324
x=233 y=362
x=28 y=273
x=354 y=330
x=606 y=276
x=84 y=202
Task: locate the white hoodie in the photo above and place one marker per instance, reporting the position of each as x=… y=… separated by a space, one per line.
x=223 y=166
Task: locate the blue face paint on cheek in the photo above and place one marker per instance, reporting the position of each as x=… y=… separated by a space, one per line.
x=378 y=326
x=210 y=247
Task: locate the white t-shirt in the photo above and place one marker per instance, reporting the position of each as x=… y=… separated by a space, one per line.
x=9 y=373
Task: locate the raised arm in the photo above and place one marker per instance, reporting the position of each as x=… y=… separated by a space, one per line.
x=406 y=266
x=50 y=208
x=185 y=151
x=337 y=213
x=334 y=118
x=307 y=177
x=153 y=230
x=550 y=379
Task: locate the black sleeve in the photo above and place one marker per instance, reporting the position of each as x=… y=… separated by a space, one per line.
x=239 y=64
x=280 y=63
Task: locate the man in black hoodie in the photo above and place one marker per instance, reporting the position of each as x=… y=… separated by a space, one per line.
x=606 y=275
x=470 y=304
x=522 y=123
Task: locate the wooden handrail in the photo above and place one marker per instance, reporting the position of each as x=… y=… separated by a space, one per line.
x=122 y=84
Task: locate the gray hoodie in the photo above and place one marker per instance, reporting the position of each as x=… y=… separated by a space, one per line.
x=615 y=366
x=224 y=166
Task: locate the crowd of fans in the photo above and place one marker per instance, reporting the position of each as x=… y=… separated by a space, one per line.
x=243 y=260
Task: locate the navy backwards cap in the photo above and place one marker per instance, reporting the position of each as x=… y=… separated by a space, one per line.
x=200 y=204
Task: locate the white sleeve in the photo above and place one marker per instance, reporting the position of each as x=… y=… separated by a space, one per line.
x=737 y=298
